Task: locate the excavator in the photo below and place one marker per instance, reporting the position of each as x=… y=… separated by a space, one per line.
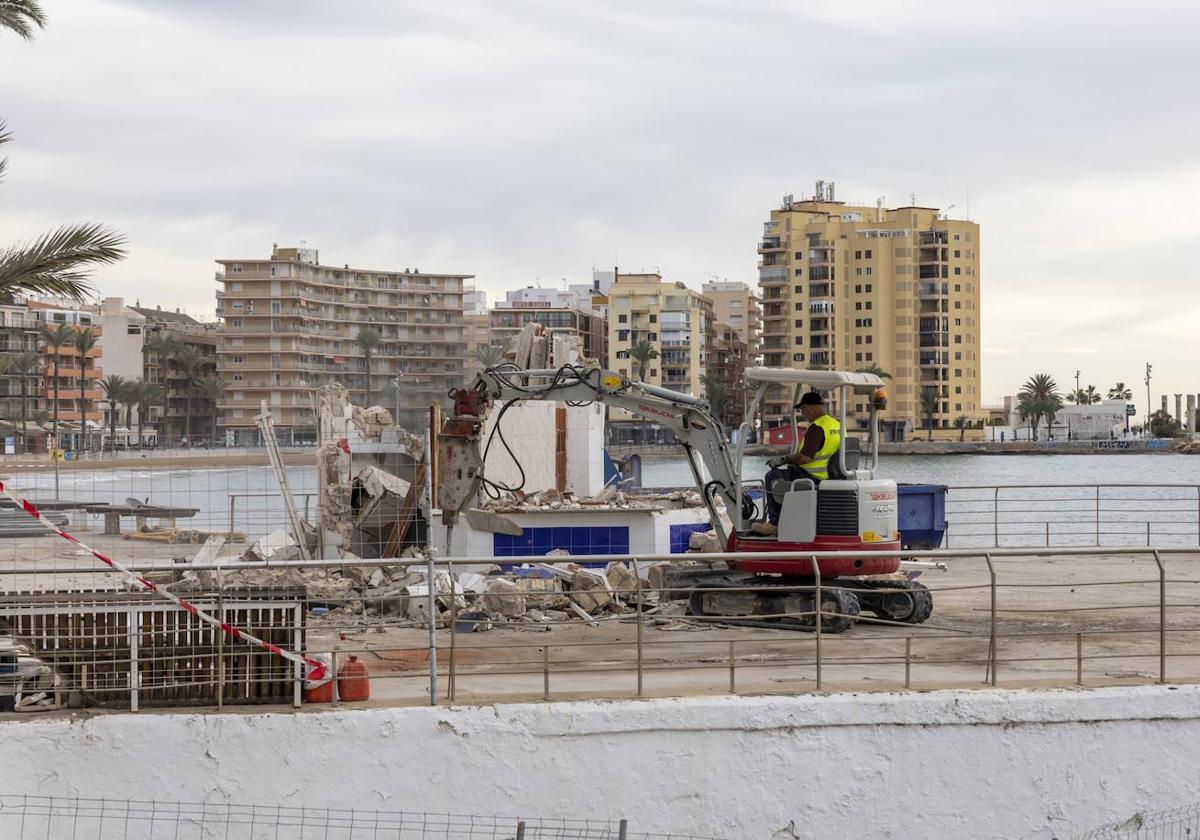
x=850 y=511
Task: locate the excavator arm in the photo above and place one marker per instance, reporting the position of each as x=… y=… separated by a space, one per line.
x=702 y=436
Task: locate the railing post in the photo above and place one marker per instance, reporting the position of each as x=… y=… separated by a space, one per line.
x=817 y=604
x=232 y=505
x=640 y=652
x=545 y=672
x=453 y=628
x=430 y=579
x=1078 y=659
x=908 y=661
x=732 y=677
x=521 y=830
x=992 y=653
x=623 y=830
x=996 y=517
x=1147 y=533
x=1047 y=533
x=1162 y=617
x=135 y=678
x=1097 y=515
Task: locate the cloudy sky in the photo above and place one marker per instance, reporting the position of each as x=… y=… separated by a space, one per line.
x=528 y=140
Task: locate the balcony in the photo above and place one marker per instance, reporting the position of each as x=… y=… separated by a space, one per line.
x=821 y=325
x=820 y=358
x=820 y=342
x=933 y=290
x=820 y=307
x=770 y=245
x=932 y=358
x=820 y=290
x=772 y=274
x=822 y=273
x=933 y=237
x=934 y=339
x=932 y=272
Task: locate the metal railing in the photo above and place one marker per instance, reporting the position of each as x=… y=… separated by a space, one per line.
x=24 y=817
x=1002 y=617
x=1164 y=515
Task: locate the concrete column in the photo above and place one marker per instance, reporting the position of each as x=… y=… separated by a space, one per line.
x=1179 y=409
x=1191 y=413
x=1164 y=404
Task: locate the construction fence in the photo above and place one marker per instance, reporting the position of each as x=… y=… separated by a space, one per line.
x=51 y=817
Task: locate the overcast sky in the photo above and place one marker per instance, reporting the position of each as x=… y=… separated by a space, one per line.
x=526 y=141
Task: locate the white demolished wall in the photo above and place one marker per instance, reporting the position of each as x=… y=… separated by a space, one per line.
x=529 y=429
x=979 y=764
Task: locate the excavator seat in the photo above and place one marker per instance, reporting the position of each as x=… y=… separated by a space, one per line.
x=853 y=447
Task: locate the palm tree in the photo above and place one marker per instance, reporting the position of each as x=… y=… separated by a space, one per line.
x=116 y=390
x=57 y=338
x=144 y=395
x=962 y=422
x=929 y=405
x=84 y=341
x=368 y=340
x=21 y=16
x=488 y=355
x=642 y=353
x=717 y=395
x=1028 y=409
x=875 y=369
x=214 y=387
x=162 y=347
x=189 y=359
x=25 y=365
x=1043 y=397
x=1121 y=391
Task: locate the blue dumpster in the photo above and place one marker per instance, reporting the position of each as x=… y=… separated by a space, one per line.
x=922 y=515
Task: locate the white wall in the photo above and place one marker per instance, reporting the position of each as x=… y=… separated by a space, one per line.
x=977 y=764
x=529 y=429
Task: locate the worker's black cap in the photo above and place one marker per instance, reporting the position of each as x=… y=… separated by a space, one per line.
x=811 y=398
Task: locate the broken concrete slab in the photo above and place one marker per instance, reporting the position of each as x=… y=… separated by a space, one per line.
x=482 y=520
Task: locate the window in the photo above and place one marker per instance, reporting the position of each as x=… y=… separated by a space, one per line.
x=867 y=254
x=276 y=307
x=958 y=389
x=857 y=289
x=870 y=338
x=868 y=271
x=858 y=304
x=237 y=322
x=957 y=270
x=958 y=339
x=236 y=268
x=870 y=356
x=799 y=339
x=799 y=323
x=957 y=254
x=237 y=377
x=956 y=237
x=858 y=357
x=799 y=306
x=858 y=272
x=958 y=304
x=654 y=371
x=799 y=290
x=653 y=319
x=858 y=339
x=868 y=288
x=797 y=357
x=957 y=287
x=868 y=305
x=958 y=371
x=799 y=272
x=958 y=406
x=799 y=255
x=237 y=360
x=858 y=255
x=957 y=356
x=622 y=319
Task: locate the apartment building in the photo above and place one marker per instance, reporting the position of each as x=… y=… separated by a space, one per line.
x=20 y=391
x=291 y=325
x=726 y=371
x=848 y=286
x=736 y=304
x=567 y=312
x=78 y=408
x=187 y=408
x=674 y=319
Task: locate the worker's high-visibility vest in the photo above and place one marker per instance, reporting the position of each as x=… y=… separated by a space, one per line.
x=818 y=467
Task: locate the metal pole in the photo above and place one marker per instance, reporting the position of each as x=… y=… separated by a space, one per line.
x=521 y=824
x=1047 y=533
x=221 y=641
x=992 y=657
x=1147 y=533
x=432 y=607
x=996 y=517
x=817 y=601
x=453 y=627
x=640 y=652
x=1097 y=515
x=908 y=661
x=732 y=677
x=545 y=672
x=232 y=504
x=1162 y=617
x=1078 y=659
x=135 y=630
x=623 y=830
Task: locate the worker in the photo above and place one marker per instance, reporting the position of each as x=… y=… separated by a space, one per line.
x=811 y=460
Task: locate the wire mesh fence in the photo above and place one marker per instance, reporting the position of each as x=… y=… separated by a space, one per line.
x=1176 y=824
x=50 y=818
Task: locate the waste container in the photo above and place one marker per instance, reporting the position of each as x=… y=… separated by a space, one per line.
x=922 y=515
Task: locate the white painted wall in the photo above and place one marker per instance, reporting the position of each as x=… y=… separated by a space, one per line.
x=529 y=429
x=979 y=764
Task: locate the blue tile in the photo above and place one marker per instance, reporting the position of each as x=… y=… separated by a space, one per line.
x=543 y=538
x=562 y=537
x=600 y=540
x=581 y=539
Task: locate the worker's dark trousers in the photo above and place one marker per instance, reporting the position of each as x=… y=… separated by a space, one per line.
x=789 y=472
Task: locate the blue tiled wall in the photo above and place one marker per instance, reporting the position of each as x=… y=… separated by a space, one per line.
x=681 y=533
x=577 y=540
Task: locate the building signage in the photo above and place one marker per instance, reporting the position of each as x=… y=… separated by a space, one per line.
x=529 y=304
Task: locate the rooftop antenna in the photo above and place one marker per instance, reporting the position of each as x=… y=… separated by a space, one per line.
x=831 y=190
x=879 y=209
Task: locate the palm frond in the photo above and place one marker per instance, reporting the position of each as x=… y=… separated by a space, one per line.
x=55 y=263
x=21 y=16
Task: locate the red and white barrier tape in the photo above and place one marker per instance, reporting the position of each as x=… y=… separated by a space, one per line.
x=318 y=668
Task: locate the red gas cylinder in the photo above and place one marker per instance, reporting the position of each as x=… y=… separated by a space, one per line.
x=353 y=681
x=320 y=691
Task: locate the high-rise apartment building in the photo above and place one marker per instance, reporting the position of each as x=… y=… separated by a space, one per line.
x=726 y=370
x=76 y=392
x=292 y=325
x=851 y=287
x=737 y=305
x=560 y=312
x=675 y=323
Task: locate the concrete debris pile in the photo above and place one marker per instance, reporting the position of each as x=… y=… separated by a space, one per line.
x=610 y=498
x=1187 y=447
